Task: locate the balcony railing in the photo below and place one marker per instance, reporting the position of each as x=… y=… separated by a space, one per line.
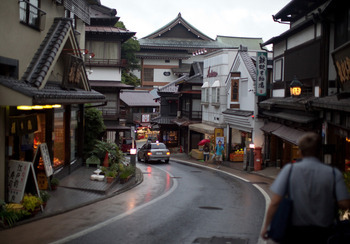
x=31 y=15
x=100 y=62
x=195 y=115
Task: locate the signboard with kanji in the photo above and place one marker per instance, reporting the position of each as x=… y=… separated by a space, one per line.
x=261 y=73
x=43 y=151
x=18 y=174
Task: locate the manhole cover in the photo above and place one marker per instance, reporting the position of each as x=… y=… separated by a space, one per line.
x=220 y=240
x=210 y=208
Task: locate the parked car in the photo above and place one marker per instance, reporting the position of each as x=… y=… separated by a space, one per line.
x=126 y=145
x=153 y=152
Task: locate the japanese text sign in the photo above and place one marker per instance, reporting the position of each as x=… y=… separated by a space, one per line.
x=261 y=77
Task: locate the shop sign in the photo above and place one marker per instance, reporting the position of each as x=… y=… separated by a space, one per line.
x=211 y=73
x=145 y=118
x=18 y=174
x=261 y=73
x=73 y=73
x=43 y=151
x=341 y=59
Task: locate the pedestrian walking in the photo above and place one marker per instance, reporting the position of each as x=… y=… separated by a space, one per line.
x=219 y=149
x=311 y=190
x=206 y=150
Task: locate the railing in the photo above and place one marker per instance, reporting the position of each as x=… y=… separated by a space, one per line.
x=106 y=62
x=193 y=115
x=31 y=15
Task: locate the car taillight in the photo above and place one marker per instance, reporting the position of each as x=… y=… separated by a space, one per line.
x=167 y=153
x=149 y=153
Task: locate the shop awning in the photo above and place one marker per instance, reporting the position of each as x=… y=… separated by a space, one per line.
x=202 y=128
x=289 y=134
x=239 y=119
x=296 y=117
x=270 y=126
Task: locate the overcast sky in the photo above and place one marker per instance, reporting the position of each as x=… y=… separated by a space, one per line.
x=240 y=18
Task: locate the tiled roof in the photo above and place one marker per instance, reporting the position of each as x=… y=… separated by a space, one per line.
x=249 y=42
x=248 y=63
x=180 y=44
x=171 y=87
x=34 y=82
x=52 y=93
x=138 y=98
x=178 y=20
x=45 y=55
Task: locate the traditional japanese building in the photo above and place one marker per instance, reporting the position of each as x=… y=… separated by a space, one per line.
x=104 y=67
x=168 y=53
x=43 y=84
x=311 y=58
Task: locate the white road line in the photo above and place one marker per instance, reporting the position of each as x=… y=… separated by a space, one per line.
x=118 y=217
x=266 y=196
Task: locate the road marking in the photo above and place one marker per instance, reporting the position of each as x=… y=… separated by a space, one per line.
x=262 y=191
x=118 y=217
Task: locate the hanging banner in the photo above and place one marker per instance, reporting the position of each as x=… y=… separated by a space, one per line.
x=261 y=73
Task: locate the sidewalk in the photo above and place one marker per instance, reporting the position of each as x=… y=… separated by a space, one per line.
x=77 y=190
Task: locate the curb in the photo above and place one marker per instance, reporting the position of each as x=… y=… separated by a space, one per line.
x=135 y=181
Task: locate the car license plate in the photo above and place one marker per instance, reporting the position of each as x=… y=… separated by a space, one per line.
x=159 y=153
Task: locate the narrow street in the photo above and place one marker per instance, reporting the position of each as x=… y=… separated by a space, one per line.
x=175 y=203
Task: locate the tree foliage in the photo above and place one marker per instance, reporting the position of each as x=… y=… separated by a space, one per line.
x=128 y=50
x=94 y=127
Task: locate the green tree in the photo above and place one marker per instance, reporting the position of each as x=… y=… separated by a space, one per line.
x=128 y=50
x=94 y=127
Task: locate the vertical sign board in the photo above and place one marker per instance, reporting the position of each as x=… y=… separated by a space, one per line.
x=42 y=178
x=44 y=152
x=261 y=73
x=18 y=174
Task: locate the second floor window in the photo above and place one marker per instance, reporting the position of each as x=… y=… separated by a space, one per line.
x=205 y=95
x=148 y=74
x=234 y=90
x=215 y=94
x=30 y=13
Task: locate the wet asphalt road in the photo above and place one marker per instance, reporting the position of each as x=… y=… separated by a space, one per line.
x=175 y=203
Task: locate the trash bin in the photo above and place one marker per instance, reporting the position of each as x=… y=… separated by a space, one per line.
x=257 y=159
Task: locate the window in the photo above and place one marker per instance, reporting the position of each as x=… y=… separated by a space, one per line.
x=278 y=69
x=59 y=140
x=31 y=15
x=205 y=95
x=215 y=94
x=148 y=74
x=342 y=27
x=70 y=15
x=234 y=90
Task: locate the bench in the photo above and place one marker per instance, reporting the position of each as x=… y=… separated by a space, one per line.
x=92 y=160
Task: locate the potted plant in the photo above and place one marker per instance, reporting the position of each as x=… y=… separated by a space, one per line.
x=126 y=173
x=54 y=183
x=31 y=203
x=11 y=213
x=111 y=175
x=45 y=196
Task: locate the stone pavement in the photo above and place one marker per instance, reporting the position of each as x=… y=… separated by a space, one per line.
x=77 y=190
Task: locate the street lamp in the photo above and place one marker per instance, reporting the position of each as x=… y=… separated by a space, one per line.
x=295 y=87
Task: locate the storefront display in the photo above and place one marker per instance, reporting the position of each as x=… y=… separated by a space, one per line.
x=59 y=140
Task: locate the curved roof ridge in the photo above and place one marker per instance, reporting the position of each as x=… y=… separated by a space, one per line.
x=174 y=22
